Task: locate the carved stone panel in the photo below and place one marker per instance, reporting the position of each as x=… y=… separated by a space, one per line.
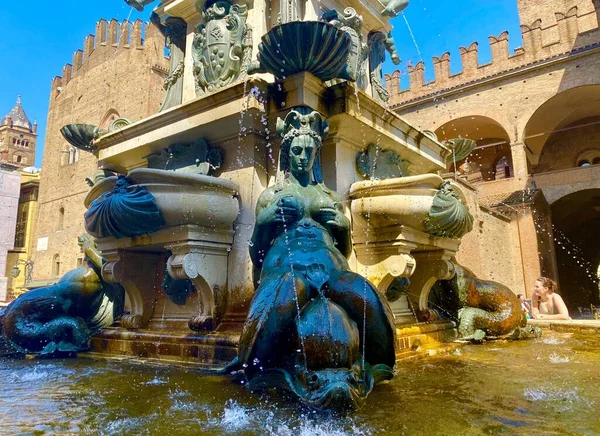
x=222 y=46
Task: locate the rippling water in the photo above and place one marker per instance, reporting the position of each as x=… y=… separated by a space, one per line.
x=547 y=386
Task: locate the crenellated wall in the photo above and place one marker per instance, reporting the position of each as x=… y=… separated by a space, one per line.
x=566 y=31
x=119 y=72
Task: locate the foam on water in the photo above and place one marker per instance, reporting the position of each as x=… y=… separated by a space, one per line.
x=555 y=358
x=563 y=400
x=235 y=417
x=127 y=425
x=551 y=340
x=156 y=381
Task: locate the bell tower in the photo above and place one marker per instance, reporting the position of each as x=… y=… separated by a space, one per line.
x=17 y=138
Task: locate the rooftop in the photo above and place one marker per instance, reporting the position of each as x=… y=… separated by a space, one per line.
x=17 y=116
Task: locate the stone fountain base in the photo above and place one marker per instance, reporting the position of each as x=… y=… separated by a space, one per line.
x=212 y=351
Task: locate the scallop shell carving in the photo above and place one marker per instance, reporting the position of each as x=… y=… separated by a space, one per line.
x=317 y=47
x=448 y=216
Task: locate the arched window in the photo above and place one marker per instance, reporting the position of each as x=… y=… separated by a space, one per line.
x=61 y=218
x=588 y=157
x=17 y=158
x=110 y=116
x=56 y=265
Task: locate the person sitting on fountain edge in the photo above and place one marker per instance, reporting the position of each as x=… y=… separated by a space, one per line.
x=525 y=306
x=547 y=304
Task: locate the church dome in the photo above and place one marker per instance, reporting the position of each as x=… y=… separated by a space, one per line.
x=18 y=117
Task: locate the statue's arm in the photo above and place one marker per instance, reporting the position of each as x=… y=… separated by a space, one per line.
x=264 y=228
x=390 y=45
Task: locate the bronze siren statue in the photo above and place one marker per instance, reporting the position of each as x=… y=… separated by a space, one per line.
x=314 y=326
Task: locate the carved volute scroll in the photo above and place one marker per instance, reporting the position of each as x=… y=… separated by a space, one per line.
x=222 y=45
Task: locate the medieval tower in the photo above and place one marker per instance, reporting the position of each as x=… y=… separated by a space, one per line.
x=118 y=74
x=17 y=138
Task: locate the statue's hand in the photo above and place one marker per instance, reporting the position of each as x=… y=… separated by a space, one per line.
x=330 y=217
x=288 y=210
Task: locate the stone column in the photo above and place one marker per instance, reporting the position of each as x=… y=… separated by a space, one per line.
x=519 y=160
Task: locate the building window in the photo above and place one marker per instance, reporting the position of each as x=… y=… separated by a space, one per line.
x=17 y=158
x=61 y=219
x=56 y=265
x=588 y=157
x=21 y=229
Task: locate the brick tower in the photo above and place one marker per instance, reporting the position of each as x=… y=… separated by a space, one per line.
x=17 y=138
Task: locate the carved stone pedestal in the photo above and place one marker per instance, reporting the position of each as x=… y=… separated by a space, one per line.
x=188 y=252
x=385 y=254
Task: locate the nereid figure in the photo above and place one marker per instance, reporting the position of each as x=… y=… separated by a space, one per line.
x=306 y=319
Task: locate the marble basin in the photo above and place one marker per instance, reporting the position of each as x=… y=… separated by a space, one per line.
x=183 y=198
x=392 y=202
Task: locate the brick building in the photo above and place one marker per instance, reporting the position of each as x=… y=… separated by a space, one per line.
x=535 y=115
x=119 y=73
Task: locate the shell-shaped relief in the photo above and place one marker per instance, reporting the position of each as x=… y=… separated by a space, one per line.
x=316 y=47
x=448 y=216
x=128 y=210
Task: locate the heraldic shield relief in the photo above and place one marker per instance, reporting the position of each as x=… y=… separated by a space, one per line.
x=222 y=45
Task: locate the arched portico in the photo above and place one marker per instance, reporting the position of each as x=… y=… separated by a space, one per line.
x=493 y=145
x=563 y=127
x=575 y=221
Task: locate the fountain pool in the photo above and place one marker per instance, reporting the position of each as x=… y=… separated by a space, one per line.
x=546 y=386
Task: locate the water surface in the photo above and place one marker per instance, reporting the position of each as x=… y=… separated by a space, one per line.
x=546 y=387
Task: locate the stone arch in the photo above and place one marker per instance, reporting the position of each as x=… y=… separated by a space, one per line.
x=492 y=140
x=110 y=116
x=575 y=218
x=56 y=265
x=569 y=111
x=60 y=222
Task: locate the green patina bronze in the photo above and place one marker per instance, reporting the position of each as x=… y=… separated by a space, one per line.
x=393 y=7
x=448 y=216
x=314 y=326
x=461 y=148
x=128 y=210
x=377 y=163
x=82 y=136
x=196 y=157
x=379 y=43
x=63 y=317
x=175 y=30
x=350 y=22
x=317 y=47
x=222 y=46
x=481 y=308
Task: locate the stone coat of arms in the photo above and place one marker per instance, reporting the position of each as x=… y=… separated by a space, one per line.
x=222 y=45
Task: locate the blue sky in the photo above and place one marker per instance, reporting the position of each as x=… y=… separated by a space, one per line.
x=38 y=37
